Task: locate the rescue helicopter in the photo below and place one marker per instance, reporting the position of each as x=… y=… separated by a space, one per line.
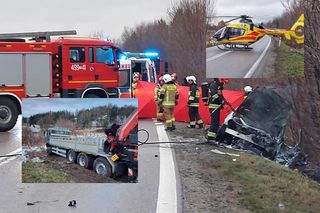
x=241 y=35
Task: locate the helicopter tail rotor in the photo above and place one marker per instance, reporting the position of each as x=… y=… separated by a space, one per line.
x=297 y=31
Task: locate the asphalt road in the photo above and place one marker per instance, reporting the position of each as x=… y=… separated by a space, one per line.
x=10 y=141
x=239 y=64
x=150 y=194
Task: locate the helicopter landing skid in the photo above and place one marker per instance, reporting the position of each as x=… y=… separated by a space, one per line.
x=228 y=47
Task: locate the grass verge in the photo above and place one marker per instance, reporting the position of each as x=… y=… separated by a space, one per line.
x=289 y=62
x=39 y=173
x=266 y=184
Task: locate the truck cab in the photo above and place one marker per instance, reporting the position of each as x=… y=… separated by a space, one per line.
x=88 y=68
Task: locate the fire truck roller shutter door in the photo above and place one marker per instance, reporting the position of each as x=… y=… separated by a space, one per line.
x=38 y=74
x=11 y=70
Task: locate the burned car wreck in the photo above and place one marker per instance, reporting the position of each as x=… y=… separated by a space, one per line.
x=258 y=125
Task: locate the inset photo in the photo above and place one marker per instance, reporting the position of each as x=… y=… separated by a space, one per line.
x=264 y=39
x=79 y=141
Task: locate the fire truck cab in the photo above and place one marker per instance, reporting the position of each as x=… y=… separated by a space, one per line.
x=66 y=67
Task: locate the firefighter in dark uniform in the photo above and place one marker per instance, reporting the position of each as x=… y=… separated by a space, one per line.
x=215 y=103
x=156 y=98
x=193 y=103
x=169 y=99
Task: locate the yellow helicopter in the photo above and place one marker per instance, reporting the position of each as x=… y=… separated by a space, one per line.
x=241 y=35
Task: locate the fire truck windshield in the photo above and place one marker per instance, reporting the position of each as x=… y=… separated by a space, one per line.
x=105 y=55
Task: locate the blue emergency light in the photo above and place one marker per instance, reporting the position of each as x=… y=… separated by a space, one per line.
x=123 y=57
x=142 y=55
x=151 y=54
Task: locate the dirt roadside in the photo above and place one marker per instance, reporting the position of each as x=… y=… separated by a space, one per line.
x=204 y=188
x=72 y=172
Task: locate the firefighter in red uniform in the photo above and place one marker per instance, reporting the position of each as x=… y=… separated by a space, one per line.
x=193 y=103
x=215 y=103
x=157 y=90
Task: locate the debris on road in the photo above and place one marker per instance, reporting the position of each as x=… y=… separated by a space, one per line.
x=39 y=201
x=224 y=153
x=72 y=203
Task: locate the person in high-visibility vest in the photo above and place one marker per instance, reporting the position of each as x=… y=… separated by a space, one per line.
x=169 y=99
x=215 y=103
x=156 y=98
x=136 y=78
x=193 y=104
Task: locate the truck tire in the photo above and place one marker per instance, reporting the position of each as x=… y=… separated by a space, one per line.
x=84 y=160
x=8 y=114
x=102 y=167
x=72 y=156
x=49 y=150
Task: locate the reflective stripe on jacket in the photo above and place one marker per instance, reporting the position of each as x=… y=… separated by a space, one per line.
x=194 y=96
x=215 y=95
x=169 y=95
x=157 y=92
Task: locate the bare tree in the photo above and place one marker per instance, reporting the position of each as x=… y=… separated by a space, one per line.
x=65 y=123
x=181 y=41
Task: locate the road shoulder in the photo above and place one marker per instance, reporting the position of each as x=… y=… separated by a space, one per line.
x=203 y=187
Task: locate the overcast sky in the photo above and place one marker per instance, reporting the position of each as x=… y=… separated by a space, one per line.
x=109 y=16
x=261 y=10
x=85 y=16
x=33 y=106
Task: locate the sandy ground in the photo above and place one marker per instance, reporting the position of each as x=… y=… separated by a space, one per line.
x=204 y=188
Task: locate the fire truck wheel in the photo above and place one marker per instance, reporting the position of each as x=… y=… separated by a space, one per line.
x=8 y=114
x=102 y=167
x=91 y=96
x=84 y=160
x=72 y=156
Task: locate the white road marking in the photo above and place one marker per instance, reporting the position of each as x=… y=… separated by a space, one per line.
x=217 y=56
x=167 y=192
x=256 y=64
x=5 y=160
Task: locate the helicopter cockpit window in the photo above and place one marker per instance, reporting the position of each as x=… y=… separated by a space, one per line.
x=220 y=33
x=235 y=32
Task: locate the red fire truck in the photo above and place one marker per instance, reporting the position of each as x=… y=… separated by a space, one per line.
x=66 y=67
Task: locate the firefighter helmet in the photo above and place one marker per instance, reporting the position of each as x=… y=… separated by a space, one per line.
x=192 y=78
x=248 y=89
x=167 y=78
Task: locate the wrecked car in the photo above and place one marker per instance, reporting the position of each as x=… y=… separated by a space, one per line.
x=258 y=125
